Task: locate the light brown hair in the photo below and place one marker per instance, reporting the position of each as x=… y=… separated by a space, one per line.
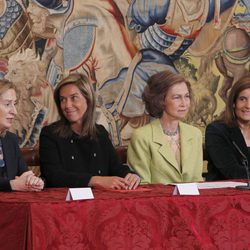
x=156 y=90
x=89 y=118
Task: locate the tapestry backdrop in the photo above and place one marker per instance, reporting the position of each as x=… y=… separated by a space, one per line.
x=119 y=44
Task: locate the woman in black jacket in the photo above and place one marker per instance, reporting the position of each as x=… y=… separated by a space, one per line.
x=14 y=174
x=227 y=140
x=75 y=151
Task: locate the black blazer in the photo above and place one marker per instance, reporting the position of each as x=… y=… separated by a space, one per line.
x=13 y=158
x=224 y=159
x=73 y=161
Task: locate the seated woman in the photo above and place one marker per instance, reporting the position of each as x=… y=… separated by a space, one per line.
x=167 y=150
x=14 y=174
x=227 y=140
x=75 y=151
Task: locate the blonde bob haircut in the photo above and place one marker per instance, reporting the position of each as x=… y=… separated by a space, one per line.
x=4 y=86
x=89 y=118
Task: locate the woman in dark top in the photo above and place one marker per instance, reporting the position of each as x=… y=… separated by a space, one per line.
x=227 y=140
x=14 y=174
x=75 y=151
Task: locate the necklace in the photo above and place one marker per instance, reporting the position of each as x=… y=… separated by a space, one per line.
x=171 y=133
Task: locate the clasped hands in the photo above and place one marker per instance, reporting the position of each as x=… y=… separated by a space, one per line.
x=130 y=181
x=27 y=182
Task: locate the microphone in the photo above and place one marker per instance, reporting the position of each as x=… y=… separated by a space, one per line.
x=245 y=164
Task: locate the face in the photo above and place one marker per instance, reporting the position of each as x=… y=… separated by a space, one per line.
x=8 y=111
x=242 y=106
x=73 y=104
x=177 y=102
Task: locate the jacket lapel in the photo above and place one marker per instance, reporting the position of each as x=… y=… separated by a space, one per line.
x=237 y=137
x=186 y=143
x=164 y=149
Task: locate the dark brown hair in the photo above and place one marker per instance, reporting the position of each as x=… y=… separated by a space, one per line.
x=156 y=90
x=89 y=118
x=228 y=115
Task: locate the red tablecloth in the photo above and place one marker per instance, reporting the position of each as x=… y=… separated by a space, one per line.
x=148 y=218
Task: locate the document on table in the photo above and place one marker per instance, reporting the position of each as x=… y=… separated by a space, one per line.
x=220 y=184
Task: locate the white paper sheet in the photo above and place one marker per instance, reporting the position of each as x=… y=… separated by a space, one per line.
x=220 y=184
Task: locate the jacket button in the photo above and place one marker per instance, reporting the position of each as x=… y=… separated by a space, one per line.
x=71 y=141
x=99 y=171
x=94 y=154
x=72 y=157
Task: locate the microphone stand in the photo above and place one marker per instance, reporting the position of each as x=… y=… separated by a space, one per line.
x=247 y=187
x=245 y=164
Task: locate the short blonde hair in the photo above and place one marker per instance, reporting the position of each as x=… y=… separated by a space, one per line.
x=4 y=86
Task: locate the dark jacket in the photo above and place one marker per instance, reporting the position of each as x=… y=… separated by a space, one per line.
x=72 y=162
x=224 y=159
x=14 y=162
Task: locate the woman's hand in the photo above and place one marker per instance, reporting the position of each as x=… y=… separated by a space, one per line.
x=34 y=183
x=113 y=182
x=27 y=182
x=132 y=181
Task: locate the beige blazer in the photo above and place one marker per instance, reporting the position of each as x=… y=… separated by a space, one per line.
x=150 y=155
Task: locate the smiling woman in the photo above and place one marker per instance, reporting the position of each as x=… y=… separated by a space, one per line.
x=13 y=170
x=227 y=140
x=73 y=105
x=75 y=151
